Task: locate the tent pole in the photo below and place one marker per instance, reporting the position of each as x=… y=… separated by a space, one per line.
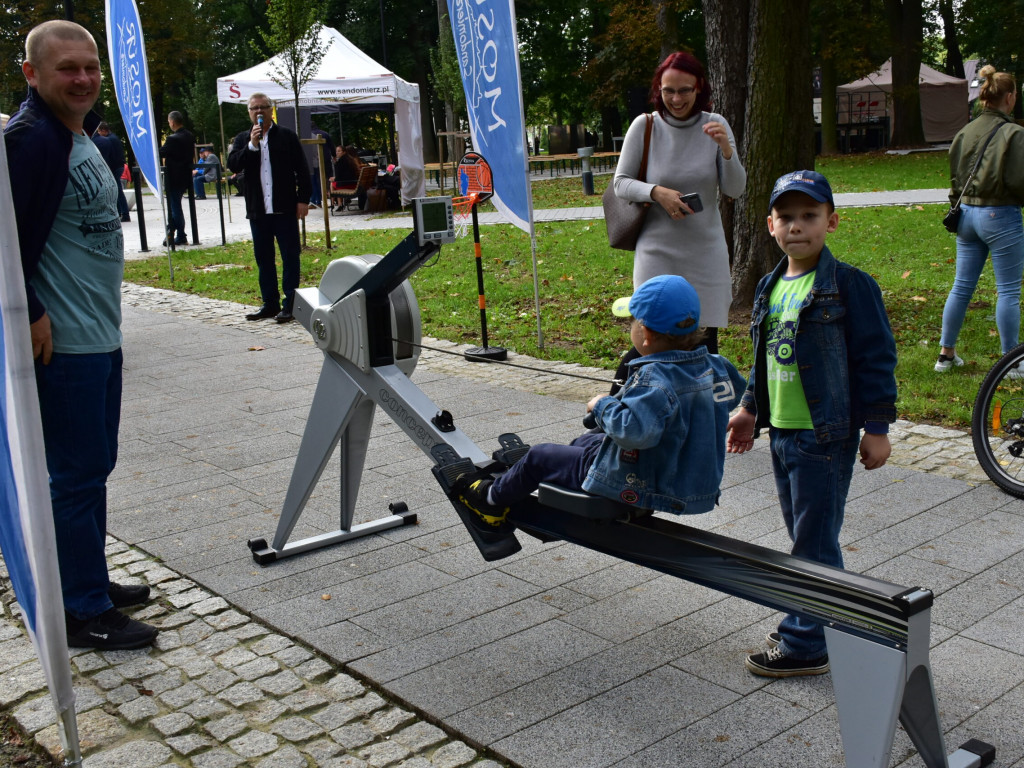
x=224 y=156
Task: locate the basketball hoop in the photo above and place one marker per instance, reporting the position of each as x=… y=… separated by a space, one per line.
x=462 y=210
x=473 y=174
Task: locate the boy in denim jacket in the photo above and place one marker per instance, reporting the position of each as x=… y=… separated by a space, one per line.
x=823 y=370
x=661 y=443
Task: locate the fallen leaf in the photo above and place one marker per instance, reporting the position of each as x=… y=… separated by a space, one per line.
x=256 y=349
x=325 y=596
x=918 y=298
x=906 y=274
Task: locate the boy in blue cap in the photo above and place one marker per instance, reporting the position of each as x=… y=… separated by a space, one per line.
x=661 y=444
x=824 y=362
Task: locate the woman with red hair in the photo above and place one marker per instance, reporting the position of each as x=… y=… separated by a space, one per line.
x=692 y=150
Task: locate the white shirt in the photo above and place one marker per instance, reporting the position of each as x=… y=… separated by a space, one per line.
x=266 y=180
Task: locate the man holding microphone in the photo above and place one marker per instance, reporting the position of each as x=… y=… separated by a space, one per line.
x=277 y=193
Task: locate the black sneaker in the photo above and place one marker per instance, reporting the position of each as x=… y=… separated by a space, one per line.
x=487 y=517
x=124 y=595
x=110 y=631
x=773 y=639
x=774 y=663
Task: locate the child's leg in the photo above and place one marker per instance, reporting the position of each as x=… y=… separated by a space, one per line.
x=562 y=465
x=813 y=481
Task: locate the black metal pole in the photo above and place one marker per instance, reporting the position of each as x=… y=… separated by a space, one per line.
x=140 y=215
x=220 y=206
x=485 y=352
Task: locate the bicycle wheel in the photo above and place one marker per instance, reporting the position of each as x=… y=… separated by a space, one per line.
x=997 y=423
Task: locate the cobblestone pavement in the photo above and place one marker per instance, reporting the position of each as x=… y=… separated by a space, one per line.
x=218 y=690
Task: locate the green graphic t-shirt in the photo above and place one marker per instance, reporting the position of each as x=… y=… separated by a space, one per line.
x=785 y=390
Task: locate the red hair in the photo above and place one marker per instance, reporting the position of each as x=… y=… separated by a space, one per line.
x=684 y=62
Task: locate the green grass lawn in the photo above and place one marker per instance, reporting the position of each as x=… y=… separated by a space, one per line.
x=905 y=249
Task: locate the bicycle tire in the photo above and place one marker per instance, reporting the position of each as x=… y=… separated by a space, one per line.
x=997 y=423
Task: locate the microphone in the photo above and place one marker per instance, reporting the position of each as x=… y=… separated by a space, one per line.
x=259 y=122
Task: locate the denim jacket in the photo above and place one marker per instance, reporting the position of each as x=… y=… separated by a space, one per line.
x=845 y=352
x=665 y=432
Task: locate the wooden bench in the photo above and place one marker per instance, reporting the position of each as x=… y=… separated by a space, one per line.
x=343 y=196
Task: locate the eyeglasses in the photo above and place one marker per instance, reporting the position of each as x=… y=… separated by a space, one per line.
x=668 y=93
x=259 y=108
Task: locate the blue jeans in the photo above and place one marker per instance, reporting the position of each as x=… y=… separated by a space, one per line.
x=316 y=195
x=284 y=228
x=812 y=480
x=562 y=465
x=176 y=216
x=80 y=405
x=983 y=229
x=199 y=187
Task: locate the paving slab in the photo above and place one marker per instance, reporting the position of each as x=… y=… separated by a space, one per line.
x=558 y=655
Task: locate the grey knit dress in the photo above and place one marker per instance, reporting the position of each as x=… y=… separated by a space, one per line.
x=684 y=158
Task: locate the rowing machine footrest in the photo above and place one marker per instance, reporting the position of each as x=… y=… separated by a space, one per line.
x=512 y=449
x=449 y=465
x=585 y=504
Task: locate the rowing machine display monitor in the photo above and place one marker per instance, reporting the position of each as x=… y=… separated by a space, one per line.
x=433 y=220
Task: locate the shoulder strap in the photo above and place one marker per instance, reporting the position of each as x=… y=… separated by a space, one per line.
x=642 y=176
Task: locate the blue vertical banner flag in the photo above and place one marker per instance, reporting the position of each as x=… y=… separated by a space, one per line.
x=488 y=51
x=26 y=518
x=129 y=72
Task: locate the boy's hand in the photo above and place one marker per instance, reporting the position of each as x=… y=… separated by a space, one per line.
x=874 y=450
x=741 y=432
x=593 y=402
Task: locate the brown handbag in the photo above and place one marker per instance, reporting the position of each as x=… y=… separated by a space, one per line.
x=624 y=218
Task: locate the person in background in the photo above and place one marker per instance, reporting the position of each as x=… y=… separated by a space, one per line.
x=347 y=166
x=205 y=175
x=991 y=219
x=72 y=254
x=178 y=152
x=325 y=160
x=276 y=197
x=112 y=150
x=692 y=150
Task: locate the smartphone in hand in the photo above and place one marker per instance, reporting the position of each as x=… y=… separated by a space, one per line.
x=693 y=200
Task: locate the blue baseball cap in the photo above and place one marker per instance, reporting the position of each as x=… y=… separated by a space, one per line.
x=811 y=183
x=666 y=304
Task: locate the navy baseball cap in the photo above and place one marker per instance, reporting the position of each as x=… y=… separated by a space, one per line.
x=666 y=304
x=811 y=183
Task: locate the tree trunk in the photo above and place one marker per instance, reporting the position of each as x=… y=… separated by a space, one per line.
x=954 y=59
x=777 y=127
x=829 y=138
x=727 y=35
x=668 y=25
x=906 y=31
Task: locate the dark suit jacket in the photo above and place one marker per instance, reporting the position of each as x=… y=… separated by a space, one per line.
x=178 y=152
x=289 y=171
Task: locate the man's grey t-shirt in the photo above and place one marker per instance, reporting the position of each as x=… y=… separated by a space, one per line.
x=79 y=276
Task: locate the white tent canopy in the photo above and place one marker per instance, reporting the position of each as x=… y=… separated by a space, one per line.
x=944 y=109
x=346 y=76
